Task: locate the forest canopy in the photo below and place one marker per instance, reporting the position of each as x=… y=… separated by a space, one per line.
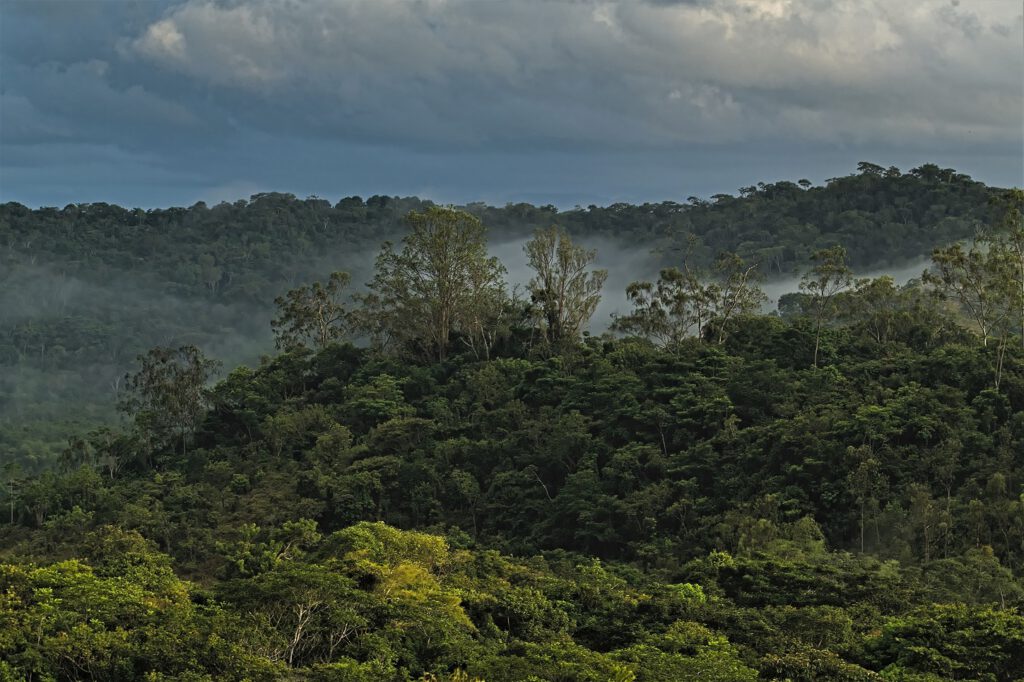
x=441 y=477
x=87 y=288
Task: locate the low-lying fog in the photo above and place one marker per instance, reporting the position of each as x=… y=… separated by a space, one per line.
x=626 y=264
x=45 y=315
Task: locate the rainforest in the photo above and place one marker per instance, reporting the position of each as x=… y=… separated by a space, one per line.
x=386 y=439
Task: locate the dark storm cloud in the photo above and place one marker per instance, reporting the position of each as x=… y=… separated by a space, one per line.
x=465 y=99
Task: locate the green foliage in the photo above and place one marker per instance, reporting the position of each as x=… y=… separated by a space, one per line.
x=442 y=283
x=125 y=618
x=313 y=315
x=86 y=288
x=565 y=293
x=830 y=494
x=167 y=395
x=952 y=641
x=690 y=301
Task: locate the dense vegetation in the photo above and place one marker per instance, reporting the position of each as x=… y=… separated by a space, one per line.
x=481 y=490
x=86 y=288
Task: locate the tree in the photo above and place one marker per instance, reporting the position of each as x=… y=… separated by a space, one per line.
x=665 y=311
x=490 y=312
x=943 y=461
x=1010 y=241
x=691 y=300
x=825 y=280
x=951 y=642
x=866 y=482
x=982 y=280
x=310 y=610
x=168 y=395
x=737 y=291
x=439 y=285
x=867 y=168
x=924 y=516
x=976 y=279
x=874 y=305
x=564 y=292
x=12 y=483
x=313 y=314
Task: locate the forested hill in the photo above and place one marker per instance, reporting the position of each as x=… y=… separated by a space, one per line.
x=696 y=512
x=483 y=491
x=86 y=288
x=247 y=251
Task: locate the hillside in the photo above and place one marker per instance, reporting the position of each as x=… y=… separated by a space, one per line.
x=87 y=288
x=485 y=492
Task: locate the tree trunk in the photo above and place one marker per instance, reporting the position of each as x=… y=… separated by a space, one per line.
x=862 y=527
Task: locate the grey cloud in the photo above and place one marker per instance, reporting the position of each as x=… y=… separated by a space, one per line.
x=669 y=3
x=67 y=31
x=79 y=95
x=605 y=74
x=963 y=20
x=70 y=103
x=568 y=101
x=24 y=123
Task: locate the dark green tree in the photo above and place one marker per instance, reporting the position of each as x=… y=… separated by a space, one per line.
x=168 y=395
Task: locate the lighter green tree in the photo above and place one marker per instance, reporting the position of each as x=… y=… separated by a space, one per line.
x=874 y=305
x=565 y=291
x=829 y=276
x=437 y=286
x=314 y=315
x=689 y=301
x=977 y=279
x=665 y=311
x=737 y=292
x=168 y=395
x=1009 y=240
x=981 y=279
x=866 y=482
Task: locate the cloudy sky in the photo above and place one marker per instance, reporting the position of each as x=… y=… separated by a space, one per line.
x=167 y=102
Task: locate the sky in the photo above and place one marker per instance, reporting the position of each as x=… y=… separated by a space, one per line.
x=155 y=103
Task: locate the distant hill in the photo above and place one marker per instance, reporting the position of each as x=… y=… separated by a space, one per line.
x=86 y=288
x=488 y=491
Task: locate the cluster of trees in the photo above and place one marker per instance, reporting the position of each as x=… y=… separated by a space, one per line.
x=86 y=288
x=691 y=302
x=833 y=492
x=443 y=292
x=371 y=603
x=987 y=279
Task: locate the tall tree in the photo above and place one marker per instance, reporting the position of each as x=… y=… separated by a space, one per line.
x=688 y=300
x=1009 y=239
x=312 y=315
x=437 y=285
x=976 y=278
x=982 y=279
x=490 y=312
x=866 y=482
x=737 y=290
x=564 y=289
x=168 y=395
x=829 y=276
x=12 y=482
x=665 y=311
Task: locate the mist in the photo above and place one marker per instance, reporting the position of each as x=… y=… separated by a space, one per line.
x=777 y=287
x=72 y=328
x=625 y=264
x=67 y=342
